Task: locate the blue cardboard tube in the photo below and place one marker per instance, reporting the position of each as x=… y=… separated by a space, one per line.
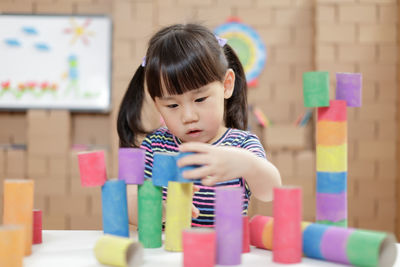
x=179 y=177
x=312 y=237
x=115 y=210
x=331 y=182
x=164 y=169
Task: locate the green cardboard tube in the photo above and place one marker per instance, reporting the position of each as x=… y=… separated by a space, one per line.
x=150 y=214
x=369 y=248
x=316 y=89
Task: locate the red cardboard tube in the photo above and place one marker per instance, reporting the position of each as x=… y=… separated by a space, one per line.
x=246 y=235
x=257 y=225
x=37 y=227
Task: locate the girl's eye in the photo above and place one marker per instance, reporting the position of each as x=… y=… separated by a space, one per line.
x=201 y=99
x=172 y=106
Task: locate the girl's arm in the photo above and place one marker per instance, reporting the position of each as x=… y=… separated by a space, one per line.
x=222 y=163
x=131 y=191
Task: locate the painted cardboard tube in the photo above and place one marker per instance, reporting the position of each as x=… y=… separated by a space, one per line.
x=18 y=206
x=92 y=168
x=338 y=244
x=164 y=169
x=287 y=210
x=199 y=247
x=118 y=251
x=246 y=235
x=37 y=226
x=229 y=225
x=115 y=210
x=348 y=88
x=12 y=245
x=178 y=214
x=150 y=215
x=131 y=165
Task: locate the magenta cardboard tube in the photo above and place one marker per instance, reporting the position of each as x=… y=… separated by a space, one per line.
x=131 y=165
x=229 y=225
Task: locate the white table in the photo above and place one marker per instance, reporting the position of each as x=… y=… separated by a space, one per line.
x=75 y=248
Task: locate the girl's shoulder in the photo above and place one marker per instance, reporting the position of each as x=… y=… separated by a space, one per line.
x=160 y=137
x=238 y=136
x=163 y=131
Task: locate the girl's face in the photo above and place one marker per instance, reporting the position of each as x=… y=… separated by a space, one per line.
x=197 y=115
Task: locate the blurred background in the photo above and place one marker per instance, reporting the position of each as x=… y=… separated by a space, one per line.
x=299 y=35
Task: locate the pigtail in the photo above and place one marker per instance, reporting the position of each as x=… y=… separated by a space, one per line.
x=129 y=124
x=236 y=105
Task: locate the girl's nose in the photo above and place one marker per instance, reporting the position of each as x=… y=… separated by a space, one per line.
x=189 y=115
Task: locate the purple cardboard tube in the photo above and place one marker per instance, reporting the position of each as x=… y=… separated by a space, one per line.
x=331 y=207
x=334 y=244
x=131 y=165
x=229 y=225
x=348 y=87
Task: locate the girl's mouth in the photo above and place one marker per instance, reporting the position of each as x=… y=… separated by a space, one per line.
x=193 y=132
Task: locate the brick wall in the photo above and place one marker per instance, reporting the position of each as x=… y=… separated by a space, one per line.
x=301 y=35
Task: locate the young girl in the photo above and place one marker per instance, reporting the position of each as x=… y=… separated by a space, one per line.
x=199 y=87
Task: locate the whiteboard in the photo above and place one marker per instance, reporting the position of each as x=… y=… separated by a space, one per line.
x=55 y=62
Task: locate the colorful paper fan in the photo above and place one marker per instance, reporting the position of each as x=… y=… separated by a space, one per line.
x=247 y=44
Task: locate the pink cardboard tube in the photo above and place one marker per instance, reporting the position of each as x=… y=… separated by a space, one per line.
x=92 y=168
x=287 y=234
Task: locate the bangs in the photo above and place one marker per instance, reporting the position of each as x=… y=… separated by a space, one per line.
x=182 y=62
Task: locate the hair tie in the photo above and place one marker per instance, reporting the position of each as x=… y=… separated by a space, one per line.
x=221 y=41
x=144 y=61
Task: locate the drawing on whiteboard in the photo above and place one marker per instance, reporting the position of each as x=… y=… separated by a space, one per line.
x=79 y=32
x=55 y=62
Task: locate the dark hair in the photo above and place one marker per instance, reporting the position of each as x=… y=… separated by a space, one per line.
x=182 y=58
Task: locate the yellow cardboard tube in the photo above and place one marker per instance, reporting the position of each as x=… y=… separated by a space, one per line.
x=178 y=214
x=304 y=225
x=332 y=158
x=11 y=245
x=18 y=206
x=118 y=251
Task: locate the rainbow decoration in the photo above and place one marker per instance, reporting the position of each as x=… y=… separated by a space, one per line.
x=247 y=44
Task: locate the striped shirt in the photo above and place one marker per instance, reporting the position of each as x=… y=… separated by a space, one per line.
x=161 y=140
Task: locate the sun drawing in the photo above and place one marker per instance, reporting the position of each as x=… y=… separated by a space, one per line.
x=79 y=31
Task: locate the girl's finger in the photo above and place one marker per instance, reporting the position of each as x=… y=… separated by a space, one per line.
x=209 y=181
x=195 y=212
x=194 y=159
x=197 y=173
x=196 y=189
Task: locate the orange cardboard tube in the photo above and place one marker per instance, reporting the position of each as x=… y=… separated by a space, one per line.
x=331 y=133
x=18 y=206
x=11 y=245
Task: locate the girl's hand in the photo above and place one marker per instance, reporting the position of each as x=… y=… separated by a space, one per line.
x=218 y=163
x=195 y=211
